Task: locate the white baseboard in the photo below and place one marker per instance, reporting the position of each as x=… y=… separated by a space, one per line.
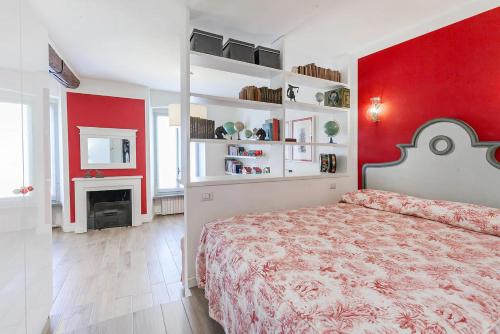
x=68 y=227
x=192 y=282
x=147 y=218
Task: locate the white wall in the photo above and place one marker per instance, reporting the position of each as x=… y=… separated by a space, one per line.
x=162 y=98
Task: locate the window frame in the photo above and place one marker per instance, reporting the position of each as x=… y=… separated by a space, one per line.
x=55 y=149
x=157 y=112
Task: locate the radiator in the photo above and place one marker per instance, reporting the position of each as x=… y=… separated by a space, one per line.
x=169 y=205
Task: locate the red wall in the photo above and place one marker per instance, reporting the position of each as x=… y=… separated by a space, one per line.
x=105 y=112
x=450 y=72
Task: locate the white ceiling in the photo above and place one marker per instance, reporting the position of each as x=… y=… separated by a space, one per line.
x=133 y=41
x=137 y=41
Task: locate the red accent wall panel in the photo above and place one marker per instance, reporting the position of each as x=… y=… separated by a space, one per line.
x=105 y=112
x=450 y=72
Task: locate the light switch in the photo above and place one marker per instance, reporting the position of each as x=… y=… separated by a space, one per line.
x=207 y=197
x=333 y=186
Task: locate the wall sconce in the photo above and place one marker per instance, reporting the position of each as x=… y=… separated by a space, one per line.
x=375 y=108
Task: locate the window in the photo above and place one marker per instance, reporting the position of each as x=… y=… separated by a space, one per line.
x=55 y=153
x=167 y=154
x=14 y=136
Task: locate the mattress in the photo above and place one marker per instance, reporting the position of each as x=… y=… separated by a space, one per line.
x=377 y=263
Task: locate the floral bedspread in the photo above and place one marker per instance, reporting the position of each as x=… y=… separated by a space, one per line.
x=348 y=268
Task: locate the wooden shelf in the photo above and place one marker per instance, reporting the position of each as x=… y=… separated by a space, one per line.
x=233 y=102
x=313 y=107
x=305 y=80
x=249 y=157
x=232 y=66
x=235 y=142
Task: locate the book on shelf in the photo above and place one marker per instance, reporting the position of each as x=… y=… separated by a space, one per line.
x=201 y=128
x=240 y=151
x=262 y=94
x=276 y=129
x=313 y=70
x=272 y=129
x=235 y=150
x=328 y=163
x=233 y=166
x=338 y=97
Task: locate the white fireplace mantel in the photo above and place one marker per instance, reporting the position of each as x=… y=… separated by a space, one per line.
x=84 y=185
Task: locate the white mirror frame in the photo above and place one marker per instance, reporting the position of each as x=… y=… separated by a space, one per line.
x=87 y=132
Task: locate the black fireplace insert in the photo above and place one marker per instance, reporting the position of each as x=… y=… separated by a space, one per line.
x=109 y=208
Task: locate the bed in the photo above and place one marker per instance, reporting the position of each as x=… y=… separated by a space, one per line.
x=378 y=262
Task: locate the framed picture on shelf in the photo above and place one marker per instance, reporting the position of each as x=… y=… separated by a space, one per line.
x=302 y=131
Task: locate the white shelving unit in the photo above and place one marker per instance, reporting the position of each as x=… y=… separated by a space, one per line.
x=234 y=103
x=291 y=105
x=232 y=66
x=235 y=142
x=333 y=145
x=305 y=80
x=278 y=151
x=249 y=157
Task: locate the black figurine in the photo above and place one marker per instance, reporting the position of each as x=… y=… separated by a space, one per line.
x=261 y=134
x=290 y=93
x=220 y=132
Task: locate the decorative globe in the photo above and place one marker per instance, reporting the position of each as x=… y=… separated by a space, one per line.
x=239 y=126
x=331 y=129
x=229 y=127
x=319 y=97
x=248 y=134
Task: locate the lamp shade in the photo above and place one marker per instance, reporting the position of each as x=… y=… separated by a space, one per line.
x=174 y=113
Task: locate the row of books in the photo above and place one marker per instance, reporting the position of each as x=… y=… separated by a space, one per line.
x=318 y=72
x=262 y=94
x=235 y=150
x=234 y=166
x=328 y=163
x=202 y=128
x=272 y=129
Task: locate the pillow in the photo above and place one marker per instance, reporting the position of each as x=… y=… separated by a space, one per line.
x=468 y=216
x=376 y=199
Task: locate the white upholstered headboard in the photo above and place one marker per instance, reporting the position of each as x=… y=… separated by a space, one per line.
x=445 y=160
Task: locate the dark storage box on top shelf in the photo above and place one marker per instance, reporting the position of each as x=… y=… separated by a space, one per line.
x=206 y=42
x=267 y=57
x=239 y=50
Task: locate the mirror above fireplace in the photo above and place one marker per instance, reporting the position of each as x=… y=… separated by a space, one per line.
x=107 y=148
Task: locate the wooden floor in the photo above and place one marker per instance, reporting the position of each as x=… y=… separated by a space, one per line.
x=186 y=316
x=116 y=273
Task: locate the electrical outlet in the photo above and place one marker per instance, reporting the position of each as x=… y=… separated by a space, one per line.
x=333 y=186
x=207 y=197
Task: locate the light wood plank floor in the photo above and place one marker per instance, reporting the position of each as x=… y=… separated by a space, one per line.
x=186 y=316
x=101 y=275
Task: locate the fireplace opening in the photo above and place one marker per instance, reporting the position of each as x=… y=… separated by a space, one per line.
x=109 y=208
